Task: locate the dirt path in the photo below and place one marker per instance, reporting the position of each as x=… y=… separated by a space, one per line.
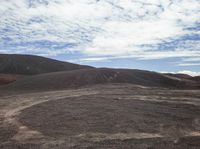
x=19 y=103
x=12 y=106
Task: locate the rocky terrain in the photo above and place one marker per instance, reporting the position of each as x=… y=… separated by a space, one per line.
x=99 y=108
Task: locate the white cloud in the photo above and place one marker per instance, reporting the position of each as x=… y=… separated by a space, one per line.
x=191 y=73
x=189 y=64
x=94 y=59
x=104 y=28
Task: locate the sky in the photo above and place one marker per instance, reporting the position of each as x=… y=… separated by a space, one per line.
x=157 y=35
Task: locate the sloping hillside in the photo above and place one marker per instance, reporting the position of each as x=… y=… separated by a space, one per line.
x=8 y=78
x=47 y=74
x=84 y=77
x=30 y=65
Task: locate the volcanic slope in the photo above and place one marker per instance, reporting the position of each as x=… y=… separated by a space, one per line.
x=8 y=78
x=87 y=77
x=197 y=78
x=31 y=65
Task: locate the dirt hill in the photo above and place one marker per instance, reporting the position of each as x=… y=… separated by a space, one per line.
x=30 y=65
x=47 y=74
x=85 y=77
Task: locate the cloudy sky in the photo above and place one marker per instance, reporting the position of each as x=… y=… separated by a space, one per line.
x=159 y=35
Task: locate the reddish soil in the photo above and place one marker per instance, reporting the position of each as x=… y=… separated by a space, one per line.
x=9 y=78
x=60 y=105
x=102 y=116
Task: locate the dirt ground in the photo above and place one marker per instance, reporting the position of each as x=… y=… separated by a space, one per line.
x=115 y=116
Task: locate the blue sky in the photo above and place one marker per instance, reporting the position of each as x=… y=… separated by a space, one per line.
x=158 y=35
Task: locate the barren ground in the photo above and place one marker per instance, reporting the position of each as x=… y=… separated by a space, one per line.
x=103 y=116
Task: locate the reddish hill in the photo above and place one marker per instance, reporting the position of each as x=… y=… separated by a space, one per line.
x=8 y=78
x=48 y=74
x=30 y=65
x=83 y=77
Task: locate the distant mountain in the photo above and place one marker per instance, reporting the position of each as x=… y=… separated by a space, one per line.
x=86 y=77
x=31 y=65
x=181 y=76
x=26 y=72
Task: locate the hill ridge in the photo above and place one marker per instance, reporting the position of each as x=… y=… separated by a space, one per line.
x=32 y=64
x=87 y=77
